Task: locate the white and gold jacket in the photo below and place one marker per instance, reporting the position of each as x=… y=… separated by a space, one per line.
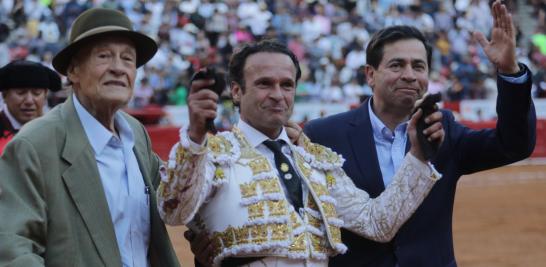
x=231 y=191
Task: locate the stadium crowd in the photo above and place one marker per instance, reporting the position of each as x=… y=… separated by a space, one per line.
x=329 y=38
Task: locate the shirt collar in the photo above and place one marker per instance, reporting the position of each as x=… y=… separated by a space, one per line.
x=255 y=137
x=14 y=123
x=380 y=130
x=97 y=134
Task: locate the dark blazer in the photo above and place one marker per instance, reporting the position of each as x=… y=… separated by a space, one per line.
x=426 y=238
x=53 y=207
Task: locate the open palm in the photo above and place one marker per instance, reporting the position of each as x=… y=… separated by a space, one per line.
x=501 y=50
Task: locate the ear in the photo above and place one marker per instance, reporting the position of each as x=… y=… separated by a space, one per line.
x=369 y=71
x=72 y=74
x=236 y=93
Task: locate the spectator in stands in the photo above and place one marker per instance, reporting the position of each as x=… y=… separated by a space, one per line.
x=80 y=181
x=398 y=61
x=178 y=28
x=24 y=86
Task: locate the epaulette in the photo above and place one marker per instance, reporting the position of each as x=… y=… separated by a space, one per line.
x=320 y=156
x=223 y=148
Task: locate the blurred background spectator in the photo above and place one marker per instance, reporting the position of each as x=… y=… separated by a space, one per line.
x=328 y=37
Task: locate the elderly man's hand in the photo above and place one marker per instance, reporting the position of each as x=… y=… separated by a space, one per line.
x=434 y=133
x=294 y=131
x=202 y=106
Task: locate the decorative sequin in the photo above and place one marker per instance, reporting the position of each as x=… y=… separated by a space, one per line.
x=219 y=174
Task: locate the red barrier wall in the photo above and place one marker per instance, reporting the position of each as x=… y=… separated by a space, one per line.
x=163 y=138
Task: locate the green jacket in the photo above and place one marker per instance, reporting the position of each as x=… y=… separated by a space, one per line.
x=53 y=209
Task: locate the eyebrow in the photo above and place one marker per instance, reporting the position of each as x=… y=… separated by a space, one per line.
x=413 y=61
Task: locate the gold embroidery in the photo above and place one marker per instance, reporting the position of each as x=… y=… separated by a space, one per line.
x=227 y=237
x=256 y=210
x=259 y=233
x=279 y=232
x=294 y=220
x=277 y=207
x=318 y=243
x=317 y=223
x=336 y=234
x=218 y=145
x=303 y=166
x=242 y=235
x=320 y=189
x=330 y=179
x=259 y=165
x=329 y=210
x=248 y=189
x=311 y=203
x=298 y=243
x=320 y=152
x=269 y=186
x=181 y=153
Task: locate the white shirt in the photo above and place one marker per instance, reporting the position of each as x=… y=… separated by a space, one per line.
x=14 y=123
x=390 y=146
x=123 y=184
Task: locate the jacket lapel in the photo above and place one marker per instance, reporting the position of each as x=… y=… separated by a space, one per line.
x=83 y=182
x=363 y=145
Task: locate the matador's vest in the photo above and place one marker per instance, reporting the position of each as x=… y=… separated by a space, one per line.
x=249 y=214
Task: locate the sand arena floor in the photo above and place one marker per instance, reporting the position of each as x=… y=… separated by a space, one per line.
x=499 y=219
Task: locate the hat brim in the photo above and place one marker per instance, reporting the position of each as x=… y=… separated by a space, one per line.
x=145 y=47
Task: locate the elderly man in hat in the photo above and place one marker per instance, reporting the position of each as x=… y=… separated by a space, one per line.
x=24 y=87
x=79 y=183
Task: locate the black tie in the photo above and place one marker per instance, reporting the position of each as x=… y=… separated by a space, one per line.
x=287 y=174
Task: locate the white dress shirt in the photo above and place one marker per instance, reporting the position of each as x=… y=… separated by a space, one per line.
x=123 y=184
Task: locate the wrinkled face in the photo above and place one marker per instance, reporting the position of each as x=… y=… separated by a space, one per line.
x=103 y=74
x=25 y=104
x=267 y=100
x=402 y=76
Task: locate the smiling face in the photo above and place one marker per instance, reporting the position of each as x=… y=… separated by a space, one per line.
x=267 y=99
x=103 y=74
x=401 y=77
x=25 y=104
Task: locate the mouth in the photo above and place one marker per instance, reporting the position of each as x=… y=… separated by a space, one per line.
x=28 y=111
x=408 y=90
x=115 y=83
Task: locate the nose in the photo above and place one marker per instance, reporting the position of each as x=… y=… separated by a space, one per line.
x=28 y=99
x=276 y=92
x=408 y=74
x=116 y=66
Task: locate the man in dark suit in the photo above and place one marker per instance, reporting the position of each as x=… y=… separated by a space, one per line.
x=79 y=182
x=373 y=138
x=24 y=86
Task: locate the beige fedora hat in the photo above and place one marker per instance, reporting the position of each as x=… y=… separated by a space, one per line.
x=98 y=22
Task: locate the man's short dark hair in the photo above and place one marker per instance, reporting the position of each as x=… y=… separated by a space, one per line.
x=374 y=51
x=238 y=59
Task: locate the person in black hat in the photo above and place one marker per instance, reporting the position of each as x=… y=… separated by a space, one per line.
x=24 y=86
x=79 y=182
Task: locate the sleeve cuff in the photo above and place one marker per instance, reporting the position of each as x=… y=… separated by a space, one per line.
x=428 y=168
